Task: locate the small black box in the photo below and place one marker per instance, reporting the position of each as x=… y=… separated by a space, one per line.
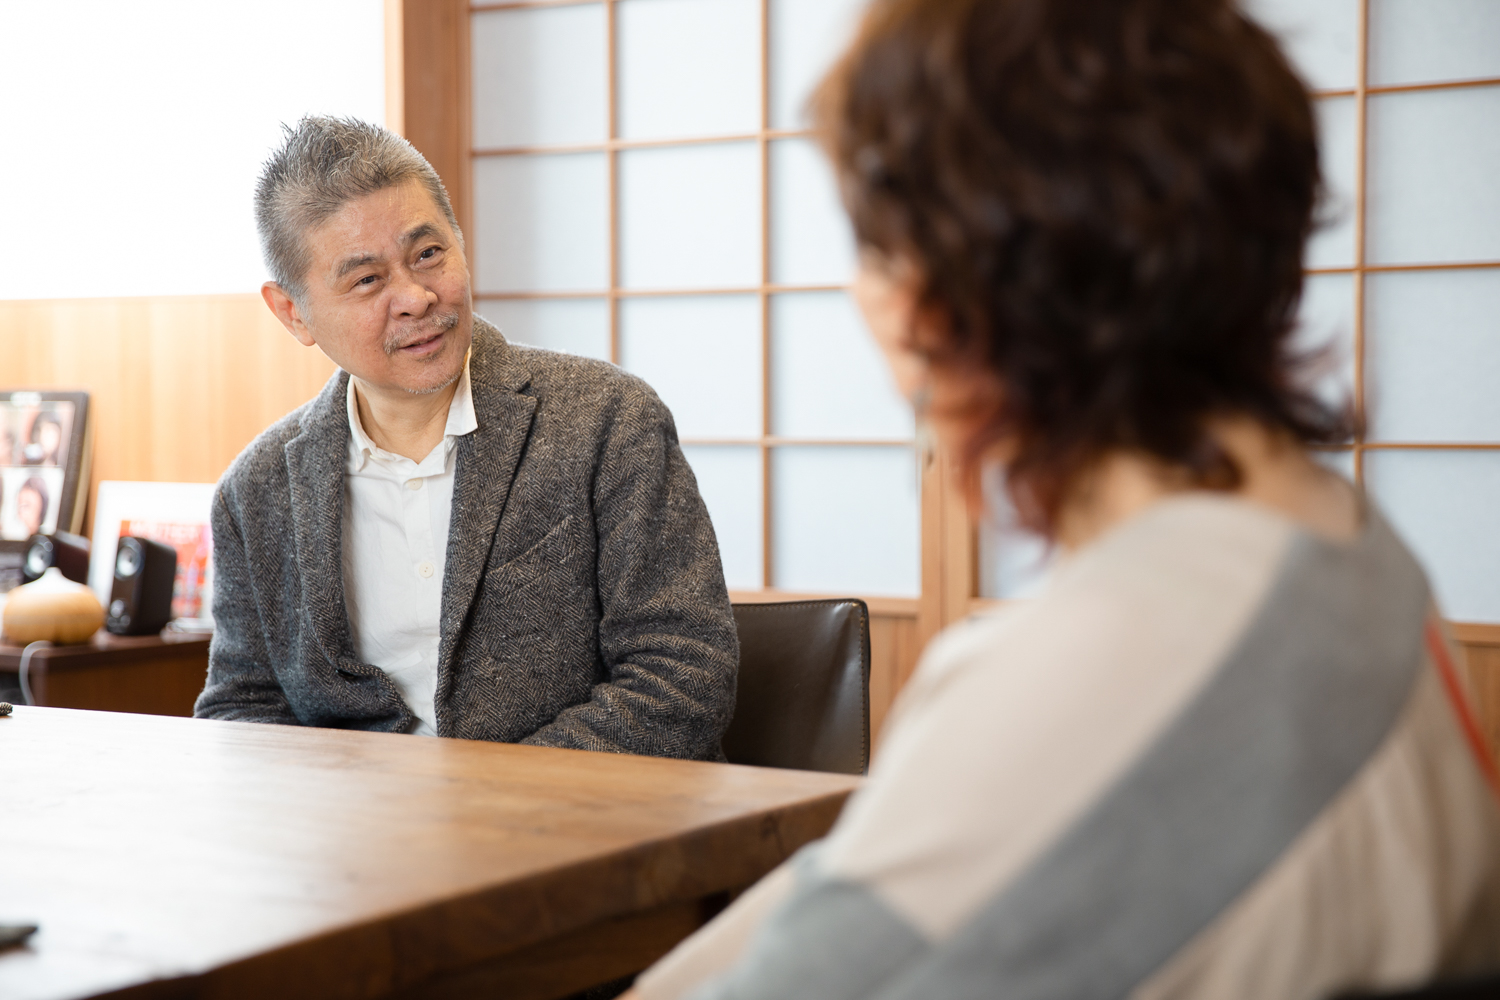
x=141 y=601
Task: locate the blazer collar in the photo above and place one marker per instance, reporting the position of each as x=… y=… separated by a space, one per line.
x=315 y=463
x=483 y=473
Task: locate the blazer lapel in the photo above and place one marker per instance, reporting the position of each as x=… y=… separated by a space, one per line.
x=484 y=470
x=316 y=460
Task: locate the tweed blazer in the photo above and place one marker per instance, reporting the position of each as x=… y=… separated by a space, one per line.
x=583 y=601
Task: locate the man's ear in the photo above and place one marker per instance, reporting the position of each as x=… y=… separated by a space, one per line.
x=285 y=308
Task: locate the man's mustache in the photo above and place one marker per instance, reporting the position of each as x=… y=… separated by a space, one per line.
x=439 y=325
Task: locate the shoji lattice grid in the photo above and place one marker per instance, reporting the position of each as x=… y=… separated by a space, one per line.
x=1404 y=276
x=646 y=193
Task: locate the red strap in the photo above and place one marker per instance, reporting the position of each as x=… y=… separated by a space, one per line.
x=1461 y=708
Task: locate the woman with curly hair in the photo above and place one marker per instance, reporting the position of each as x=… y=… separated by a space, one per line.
x=1225 y=753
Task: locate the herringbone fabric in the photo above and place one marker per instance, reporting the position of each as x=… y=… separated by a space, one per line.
x=583 y=602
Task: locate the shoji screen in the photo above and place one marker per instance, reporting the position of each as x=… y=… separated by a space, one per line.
x=645 y=192
x=1404 y=276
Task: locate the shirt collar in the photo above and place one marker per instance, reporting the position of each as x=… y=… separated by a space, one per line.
x=461 y=420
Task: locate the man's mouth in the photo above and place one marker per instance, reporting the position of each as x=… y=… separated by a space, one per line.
x=415 y=344
x=427 y=341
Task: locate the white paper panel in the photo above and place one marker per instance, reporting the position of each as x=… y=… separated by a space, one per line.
x=828 y=379
x=1326 y=330
x=702 y=356
x=539 y=76
x=690 y=217
x=1432 y=355
x=844 y=520
x=1012 y=563
x=1320 y=36
x=806 y=37
x=134 y=133
x=811 y=241
x=1332 y=244
x=541 y=223
x=729 y=480
x=1433 y=163
x=688 y=67
x=1424 y=41
x=1341 y=462
x=1446 y=505
x=578 y=326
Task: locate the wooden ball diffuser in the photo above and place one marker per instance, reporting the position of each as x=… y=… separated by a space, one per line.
x=53 y=608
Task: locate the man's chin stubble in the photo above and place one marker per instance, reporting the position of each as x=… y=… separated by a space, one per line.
x=444 y=325
x=438 y=388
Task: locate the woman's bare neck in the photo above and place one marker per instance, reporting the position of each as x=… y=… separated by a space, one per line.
x=1276 y=473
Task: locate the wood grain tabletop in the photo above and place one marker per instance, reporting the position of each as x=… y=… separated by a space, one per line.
x=168 y=857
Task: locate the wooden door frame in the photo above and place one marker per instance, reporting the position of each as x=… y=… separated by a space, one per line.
x=428 y=90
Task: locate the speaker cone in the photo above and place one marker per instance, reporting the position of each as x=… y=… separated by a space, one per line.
x=128 y=561
x=38 y=556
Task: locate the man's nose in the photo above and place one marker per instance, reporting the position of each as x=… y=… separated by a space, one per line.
x=409 y=297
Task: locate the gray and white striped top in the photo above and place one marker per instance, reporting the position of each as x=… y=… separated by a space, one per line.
x=1218 y=757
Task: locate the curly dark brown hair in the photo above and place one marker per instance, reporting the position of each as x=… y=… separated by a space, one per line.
x=1107 y=203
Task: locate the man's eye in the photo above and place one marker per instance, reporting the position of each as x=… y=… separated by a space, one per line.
x=427 y=254
x=368 y=279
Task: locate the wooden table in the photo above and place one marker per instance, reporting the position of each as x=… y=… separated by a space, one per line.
x=153 y=674
x=186 y=858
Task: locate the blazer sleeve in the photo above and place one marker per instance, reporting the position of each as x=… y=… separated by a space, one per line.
x=241 y=684
x=666 y=631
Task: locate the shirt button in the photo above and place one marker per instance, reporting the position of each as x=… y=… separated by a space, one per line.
x=425 y=570
x=414 y=484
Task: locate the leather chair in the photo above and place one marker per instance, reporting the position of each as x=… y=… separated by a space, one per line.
x=804 y=686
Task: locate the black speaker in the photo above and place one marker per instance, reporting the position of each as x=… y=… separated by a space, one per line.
x=69 y=553
x=141 y=601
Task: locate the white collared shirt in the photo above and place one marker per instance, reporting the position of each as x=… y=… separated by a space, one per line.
x=396 y=515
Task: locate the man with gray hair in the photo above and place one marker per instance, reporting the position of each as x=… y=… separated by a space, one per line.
x=459 y=536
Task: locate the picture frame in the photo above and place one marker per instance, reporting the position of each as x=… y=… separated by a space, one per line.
x=175 y=514
x=46 y=449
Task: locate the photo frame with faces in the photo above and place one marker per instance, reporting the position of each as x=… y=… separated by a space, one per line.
x=44 y=462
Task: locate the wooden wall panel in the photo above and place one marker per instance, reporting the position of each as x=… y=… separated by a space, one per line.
x=1481 y=651
x=894 y=647
x=180 y=385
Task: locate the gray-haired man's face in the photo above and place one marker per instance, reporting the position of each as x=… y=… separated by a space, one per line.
x=388 y=292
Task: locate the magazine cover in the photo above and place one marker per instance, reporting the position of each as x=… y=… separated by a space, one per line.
x=194 y=545
x=174 y=514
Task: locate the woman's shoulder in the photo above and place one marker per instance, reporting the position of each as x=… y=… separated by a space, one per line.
x=1204 y=647
x=1171 y=585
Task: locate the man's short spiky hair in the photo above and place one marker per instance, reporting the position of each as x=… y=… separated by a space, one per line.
x=324 y=163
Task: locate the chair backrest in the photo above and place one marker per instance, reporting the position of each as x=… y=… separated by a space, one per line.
x=804 y=686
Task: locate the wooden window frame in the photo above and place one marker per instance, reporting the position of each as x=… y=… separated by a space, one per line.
x=436 y=85
x=428 y=85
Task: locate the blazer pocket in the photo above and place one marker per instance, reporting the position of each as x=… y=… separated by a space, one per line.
x=552 y=552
